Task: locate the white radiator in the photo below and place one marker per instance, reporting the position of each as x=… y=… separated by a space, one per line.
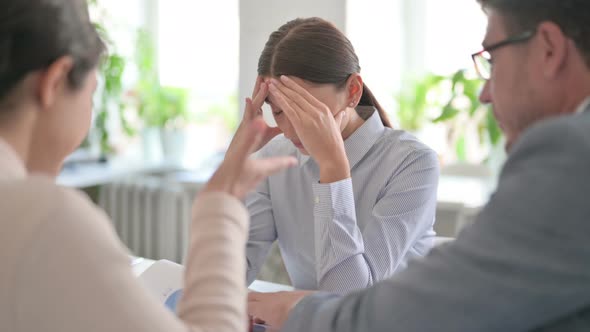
x=151 y=215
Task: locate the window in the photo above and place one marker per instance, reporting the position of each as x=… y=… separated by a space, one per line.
x=198 y=46
x=454 y=30
x=400 y=41
x=375 y=30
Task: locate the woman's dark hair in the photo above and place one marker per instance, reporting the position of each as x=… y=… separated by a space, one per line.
x=35 y=33
x=314 y=50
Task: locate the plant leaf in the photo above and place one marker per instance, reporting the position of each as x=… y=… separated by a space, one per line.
x=448 y=112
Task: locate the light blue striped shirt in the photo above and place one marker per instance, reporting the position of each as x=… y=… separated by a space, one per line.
x=352 y=233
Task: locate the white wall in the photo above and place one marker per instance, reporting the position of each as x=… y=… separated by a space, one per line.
x=376 y=31
x=259 y=18
x=414 y=25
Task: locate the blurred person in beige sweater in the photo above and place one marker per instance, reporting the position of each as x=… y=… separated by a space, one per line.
x=63 y=267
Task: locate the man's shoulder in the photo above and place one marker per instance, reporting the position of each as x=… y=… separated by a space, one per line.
x=566 y=134
x=566 y=125
x=545 y=176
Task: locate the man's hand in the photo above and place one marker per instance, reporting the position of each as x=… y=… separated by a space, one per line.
x=274 y=308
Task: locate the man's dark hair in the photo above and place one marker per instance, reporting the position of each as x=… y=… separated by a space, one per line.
x=572 y=16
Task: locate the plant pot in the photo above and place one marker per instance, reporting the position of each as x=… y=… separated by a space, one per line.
x=173 y=144
x=151 y=144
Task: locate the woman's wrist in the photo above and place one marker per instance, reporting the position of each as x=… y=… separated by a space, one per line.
x=335 y=170
x=219 y=182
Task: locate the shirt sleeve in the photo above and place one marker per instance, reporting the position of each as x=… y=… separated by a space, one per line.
x=262 y=229
x=76 y=275
x=348 y=258
x=520 y=266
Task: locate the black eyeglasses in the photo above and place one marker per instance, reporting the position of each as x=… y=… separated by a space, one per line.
x=482 y=59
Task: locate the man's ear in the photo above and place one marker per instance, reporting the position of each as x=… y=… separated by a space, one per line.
x=354 y=87
x=553 y=47
x=54 y=80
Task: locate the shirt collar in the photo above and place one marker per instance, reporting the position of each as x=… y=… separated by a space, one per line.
x=11 y=166
x=358 y=144
x=584 y=105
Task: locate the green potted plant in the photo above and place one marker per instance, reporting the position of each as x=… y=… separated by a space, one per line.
x=453 y=101
x=109 y=95
x=110 y=100
x=162 y=109
x=226 y=111
x=414 y=104
x=173 y=110
x=462 y=111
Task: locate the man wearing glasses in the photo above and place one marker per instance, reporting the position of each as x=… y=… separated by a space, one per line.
x=524 y=265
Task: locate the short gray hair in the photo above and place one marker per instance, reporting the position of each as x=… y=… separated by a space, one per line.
x=572 y=16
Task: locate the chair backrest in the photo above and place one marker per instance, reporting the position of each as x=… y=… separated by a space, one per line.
x=438 y=240
x=465 y=169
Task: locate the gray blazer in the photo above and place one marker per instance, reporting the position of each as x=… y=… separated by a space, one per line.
x=523 y=265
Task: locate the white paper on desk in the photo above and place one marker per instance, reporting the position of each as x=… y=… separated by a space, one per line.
x=164 y=279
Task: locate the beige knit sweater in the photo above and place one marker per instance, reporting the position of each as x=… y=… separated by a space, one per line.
x=63 y=269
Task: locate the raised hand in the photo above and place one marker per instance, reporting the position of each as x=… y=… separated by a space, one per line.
x=238 y=174
x=253 y=111
x=317 y=128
